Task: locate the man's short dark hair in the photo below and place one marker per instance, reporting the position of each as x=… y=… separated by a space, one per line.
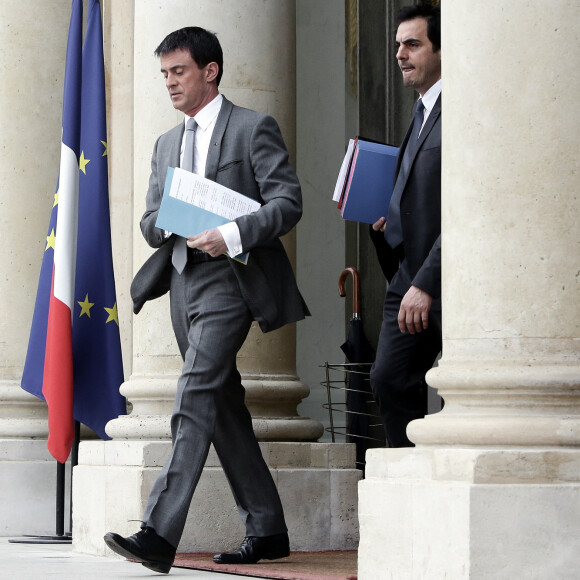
x=203 y=46
x=433 y=16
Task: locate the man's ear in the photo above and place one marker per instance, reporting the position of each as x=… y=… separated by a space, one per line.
x=212 y=71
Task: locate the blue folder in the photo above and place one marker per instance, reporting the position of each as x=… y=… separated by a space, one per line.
x=184 y=219
x=369 y=183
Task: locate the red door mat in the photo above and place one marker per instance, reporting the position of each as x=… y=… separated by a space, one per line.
x=334 y=565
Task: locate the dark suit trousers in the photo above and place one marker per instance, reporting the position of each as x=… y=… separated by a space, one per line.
x=398 y=373
x=211 y=321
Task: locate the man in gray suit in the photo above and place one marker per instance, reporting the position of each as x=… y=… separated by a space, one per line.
x=214 y=300
x=409 y=241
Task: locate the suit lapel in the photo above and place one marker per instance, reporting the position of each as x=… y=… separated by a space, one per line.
x=172 y=150
x=213 y=154
x=402 y=149
x=431 y=120
x=429 y=124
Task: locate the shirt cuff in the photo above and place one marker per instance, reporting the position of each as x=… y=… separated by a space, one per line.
x=231 y=235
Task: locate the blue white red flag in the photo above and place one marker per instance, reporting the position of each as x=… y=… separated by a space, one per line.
x=74 y=352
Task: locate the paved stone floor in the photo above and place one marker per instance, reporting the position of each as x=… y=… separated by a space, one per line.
x=48 y=561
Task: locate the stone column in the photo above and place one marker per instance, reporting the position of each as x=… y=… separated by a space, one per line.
x=256 y=75
x=492 y=489
x=259 y=72
x=32 y=58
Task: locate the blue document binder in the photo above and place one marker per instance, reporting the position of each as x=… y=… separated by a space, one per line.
x=369 y=182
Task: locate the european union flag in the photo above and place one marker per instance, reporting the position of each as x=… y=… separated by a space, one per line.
x=98 y=367
x=96 y=346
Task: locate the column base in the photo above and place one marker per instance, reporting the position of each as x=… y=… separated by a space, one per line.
x=469 y=514
x=317 y=483
x=271 y=400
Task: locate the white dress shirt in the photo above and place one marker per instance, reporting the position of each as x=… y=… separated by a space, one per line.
x=429 y=99
x=206 y=120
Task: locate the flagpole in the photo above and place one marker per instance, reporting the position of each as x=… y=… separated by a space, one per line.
x=60 y=493
x=59 y=537
x=74 y=461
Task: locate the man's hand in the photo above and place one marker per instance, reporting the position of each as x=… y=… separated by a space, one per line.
x=414 y=311
x=380 y=224
x=210 y=241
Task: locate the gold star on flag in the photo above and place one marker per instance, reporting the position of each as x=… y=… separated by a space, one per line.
x=83 y=162
x=55 y=199
x=105 y=151
x=86 y=306
x=50 y=240
x=112 y=312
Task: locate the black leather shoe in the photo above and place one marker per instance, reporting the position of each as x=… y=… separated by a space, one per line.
x=146 y=547
x=254 y=548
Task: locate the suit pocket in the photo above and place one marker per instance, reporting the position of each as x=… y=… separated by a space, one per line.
x=431 y=146
x=230 y=164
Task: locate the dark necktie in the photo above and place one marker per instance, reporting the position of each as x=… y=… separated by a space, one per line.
x=179 y=257
x=394 y=230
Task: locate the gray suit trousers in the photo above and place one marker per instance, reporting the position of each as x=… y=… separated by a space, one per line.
x=211 y=321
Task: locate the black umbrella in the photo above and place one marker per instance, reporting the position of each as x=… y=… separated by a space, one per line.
x=360 y=355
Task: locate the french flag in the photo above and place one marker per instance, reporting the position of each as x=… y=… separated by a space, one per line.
x=58 y=379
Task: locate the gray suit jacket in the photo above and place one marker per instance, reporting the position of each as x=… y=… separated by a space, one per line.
x=247 y=154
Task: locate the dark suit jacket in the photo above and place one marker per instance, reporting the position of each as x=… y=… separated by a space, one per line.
x=420 y=214
x=247 y=154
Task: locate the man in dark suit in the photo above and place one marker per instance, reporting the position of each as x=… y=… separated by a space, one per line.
x=408 y=242
x=214 y=300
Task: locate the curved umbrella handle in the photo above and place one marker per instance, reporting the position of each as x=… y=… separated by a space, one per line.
x=355 y=288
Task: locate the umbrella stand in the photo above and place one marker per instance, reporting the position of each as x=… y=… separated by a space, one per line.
x=338 y=383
